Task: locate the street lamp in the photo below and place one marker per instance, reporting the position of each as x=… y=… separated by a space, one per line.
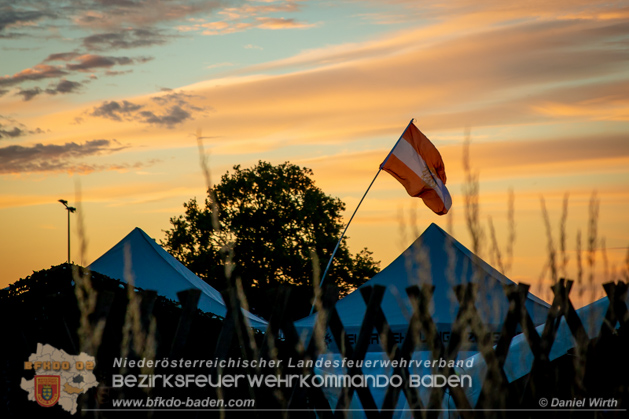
x=70 y=209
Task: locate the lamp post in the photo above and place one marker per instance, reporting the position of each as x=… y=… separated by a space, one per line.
x=70 y=209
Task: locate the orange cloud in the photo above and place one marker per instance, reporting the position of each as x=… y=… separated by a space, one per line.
x=560 y=9
x=247 y=16
x=512 y=76
x=275 y=23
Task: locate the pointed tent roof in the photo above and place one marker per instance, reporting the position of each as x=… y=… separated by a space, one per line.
x=154 y=268
x=434 y=258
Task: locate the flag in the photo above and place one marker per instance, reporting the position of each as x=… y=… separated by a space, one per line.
x=416 y=163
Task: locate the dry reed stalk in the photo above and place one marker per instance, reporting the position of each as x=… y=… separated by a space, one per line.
x=205 y=167
x=89 y=335
x=562 y=237
x=415 y=262
x=511 y=238
x=579 y=265
x=408 y=259
x=132 y=327
x=626 y=270
x=552 y=252
x=471 y=191
x=227 y=249
x=471 y=195
x=496 y=257
x=606 y=277
x=319 y=331
x=592 y=238
x=544 y=291
x=450 y=270
x=424 y=272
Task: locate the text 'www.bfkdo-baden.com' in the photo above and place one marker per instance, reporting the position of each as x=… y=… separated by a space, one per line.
x=157 y=403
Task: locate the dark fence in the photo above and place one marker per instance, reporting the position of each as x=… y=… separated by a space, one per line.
x=46 y=308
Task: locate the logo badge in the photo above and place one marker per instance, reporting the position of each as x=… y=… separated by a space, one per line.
x=47 y=389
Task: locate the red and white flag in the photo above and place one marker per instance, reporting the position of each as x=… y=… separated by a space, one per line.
x=416 y=163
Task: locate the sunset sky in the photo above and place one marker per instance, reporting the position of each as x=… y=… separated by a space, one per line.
x=105 y=97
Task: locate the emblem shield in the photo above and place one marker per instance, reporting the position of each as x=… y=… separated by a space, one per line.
x=47 y=389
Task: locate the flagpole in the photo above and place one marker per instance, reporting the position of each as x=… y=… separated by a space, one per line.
x=396 y=143
x=356 y=210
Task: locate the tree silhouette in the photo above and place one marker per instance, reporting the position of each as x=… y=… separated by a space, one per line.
x=272 y=222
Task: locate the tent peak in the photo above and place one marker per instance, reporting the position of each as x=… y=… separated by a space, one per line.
x=152 y=267
x=139 y=230
x=434 y=226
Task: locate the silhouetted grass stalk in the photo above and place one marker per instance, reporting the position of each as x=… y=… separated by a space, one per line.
x=592 y=239
x=552 y=252
x=89 y=335
x=471 y=191
x=562 y=237
x=234 y=285
x=579 y=265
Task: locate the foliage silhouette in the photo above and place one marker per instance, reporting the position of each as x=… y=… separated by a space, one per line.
x=276 y=224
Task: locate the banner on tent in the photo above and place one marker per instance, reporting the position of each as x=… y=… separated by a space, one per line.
x=469 y=340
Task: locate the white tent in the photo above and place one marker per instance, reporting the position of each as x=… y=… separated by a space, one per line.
x=520 y=358
x=153 y=268
x=435 y=258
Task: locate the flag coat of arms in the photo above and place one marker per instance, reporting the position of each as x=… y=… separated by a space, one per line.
x=416 y=163
x=47 y=389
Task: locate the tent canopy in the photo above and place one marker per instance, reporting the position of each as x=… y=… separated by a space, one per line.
x=153 y=268
x=519 y=360
x=435 y=258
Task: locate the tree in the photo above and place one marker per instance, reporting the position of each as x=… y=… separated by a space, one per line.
x=272 y=226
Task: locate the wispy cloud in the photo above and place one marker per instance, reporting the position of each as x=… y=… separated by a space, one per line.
x=65 y=86
x=141 y=13
x=28 y=94
x=89 y=62
x=114 y=25
x=75 y=63
x=62 y=56
x=275 y=23
x=174 y=115
x=10 y=132
x=252 y=14
x=55 y=158
x=116 y=111
x=62 y=87
x=125 y=39
x=13 y=17
x=102 y=25
x=117 y=73
x=14 y=129
x=531 y=72
x=411 y=10
x=179 y=98
x=533 y=158
x=529 y=159
x=168 y=109
x=255 y=9
x=38 y=72
x=100 y=14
